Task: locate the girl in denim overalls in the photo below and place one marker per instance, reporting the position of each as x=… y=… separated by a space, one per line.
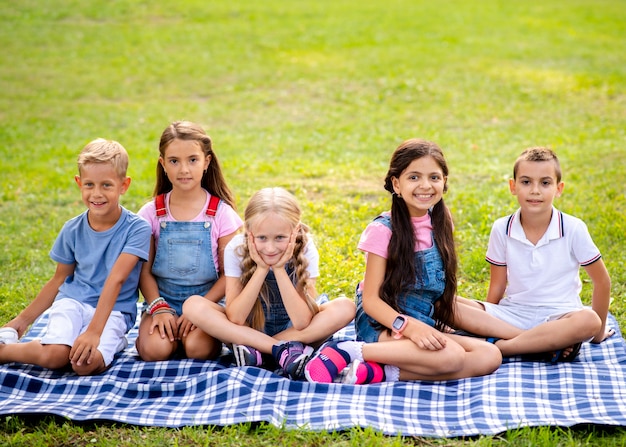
x=192 y=219
x=407 y=295
x=271 y=305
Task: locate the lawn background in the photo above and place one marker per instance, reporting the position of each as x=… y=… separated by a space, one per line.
x=314 y=96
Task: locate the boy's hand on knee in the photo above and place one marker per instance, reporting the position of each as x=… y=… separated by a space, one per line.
x=84 y=349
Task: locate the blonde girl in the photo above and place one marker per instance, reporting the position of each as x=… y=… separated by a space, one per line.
x=271 y=301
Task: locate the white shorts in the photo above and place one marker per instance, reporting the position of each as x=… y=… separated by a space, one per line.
x=524 y=316
x=69 y=318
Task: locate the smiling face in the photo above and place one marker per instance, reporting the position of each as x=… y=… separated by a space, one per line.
x=184 y=163
x=271 y=236
x=101 y=187
x=421 y=185
x=536 y=186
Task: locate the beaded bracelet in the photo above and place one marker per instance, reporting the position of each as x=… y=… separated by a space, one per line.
x=158 y=307
x=159 y=303
x=165 y=310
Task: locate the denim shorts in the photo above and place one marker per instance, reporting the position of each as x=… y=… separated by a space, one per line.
x=420 y=308
x=279 y=320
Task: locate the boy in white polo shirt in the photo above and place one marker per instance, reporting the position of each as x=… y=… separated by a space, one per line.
x=533 y=304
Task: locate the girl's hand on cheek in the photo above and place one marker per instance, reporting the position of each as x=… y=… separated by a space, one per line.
x=254 y=254
x=288 y=254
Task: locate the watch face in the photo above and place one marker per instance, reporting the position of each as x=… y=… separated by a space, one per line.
x=398 y=323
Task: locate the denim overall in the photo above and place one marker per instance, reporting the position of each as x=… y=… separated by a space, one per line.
x=183 y=264
x=277 y=319
x=418 y=302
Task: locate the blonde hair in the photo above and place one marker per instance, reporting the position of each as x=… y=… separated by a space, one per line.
x=104 y=151
x=282 y=203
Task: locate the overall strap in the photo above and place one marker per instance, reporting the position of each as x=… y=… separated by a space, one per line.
x=159 y=202
x=385 y=219
x=211 y=210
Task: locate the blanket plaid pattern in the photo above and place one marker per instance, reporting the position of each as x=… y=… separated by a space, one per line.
x=179 y=393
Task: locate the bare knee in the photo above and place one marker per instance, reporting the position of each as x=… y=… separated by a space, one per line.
x=152 y=348
x=206 y=348
x=343 y=310
x=489 y=359
x=192 y=304
x=89 y=369
x=588 y=323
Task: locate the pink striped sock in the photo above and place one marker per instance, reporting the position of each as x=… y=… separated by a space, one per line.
x=369 y=372
x=326 y=365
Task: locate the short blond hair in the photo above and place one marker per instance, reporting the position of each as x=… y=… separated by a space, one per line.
x=104 y=151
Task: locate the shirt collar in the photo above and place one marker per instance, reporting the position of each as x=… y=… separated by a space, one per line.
x=555 y=228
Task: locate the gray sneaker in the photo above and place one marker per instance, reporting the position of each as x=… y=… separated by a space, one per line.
x=292 y=356
x=247 y=355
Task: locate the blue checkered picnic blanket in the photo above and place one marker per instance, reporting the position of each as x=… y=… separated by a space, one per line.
x=179 y=393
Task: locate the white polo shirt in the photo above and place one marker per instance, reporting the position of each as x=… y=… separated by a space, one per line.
x=546 y=274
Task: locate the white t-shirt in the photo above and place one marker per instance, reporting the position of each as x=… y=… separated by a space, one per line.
x=225 y=221
x=232 y=259
x=545 y=274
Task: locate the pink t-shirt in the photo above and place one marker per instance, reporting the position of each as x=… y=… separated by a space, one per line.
x=376 y=236
x=225 y=222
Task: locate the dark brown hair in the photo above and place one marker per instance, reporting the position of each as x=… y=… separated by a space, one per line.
x=212 y=179
x=538 y=154
x=401 y=270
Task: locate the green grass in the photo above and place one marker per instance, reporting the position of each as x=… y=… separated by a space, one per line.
x=313 y=96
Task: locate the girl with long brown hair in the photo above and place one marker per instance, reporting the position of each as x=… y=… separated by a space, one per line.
x=192 y=217
x=407 y=295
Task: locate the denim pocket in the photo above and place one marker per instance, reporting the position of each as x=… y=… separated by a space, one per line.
x=184 y=255
x=433 y=277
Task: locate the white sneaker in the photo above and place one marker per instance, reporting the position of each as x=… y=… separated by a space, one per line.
x=8 y=336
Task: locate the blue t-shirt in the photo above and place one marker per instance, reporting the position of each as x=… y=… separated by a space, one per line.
x=95 y=252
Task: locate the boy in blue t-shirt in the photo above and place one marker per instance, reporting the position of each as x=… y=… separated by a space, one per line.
x=93 y=293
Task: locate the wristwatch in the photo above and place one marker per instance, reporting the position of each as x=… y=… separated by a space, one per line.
x=399 y=323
